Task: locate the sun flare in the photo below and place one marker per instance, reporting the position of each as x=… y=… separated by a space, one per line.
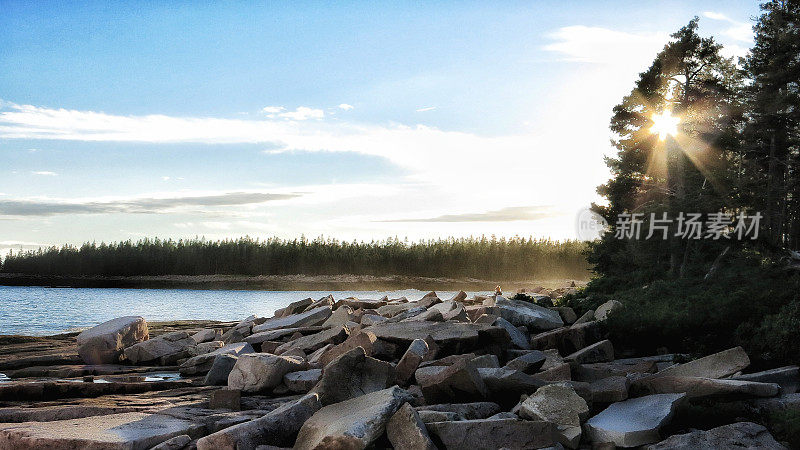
x=664 y=124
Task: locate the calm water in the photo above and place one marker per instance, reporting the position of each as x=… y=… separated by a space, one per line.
x=41 y=311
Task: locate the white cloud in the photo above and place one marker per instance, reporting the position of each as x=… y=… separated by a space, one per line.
x=272 y=109
x=45 y=173
x=739 y=31
x=303 y=113
x=427 y=108
x=582 y=43
x=345 y=107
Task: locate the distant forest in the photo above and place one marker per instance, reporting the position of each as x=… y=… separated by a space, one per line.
x=482 y=258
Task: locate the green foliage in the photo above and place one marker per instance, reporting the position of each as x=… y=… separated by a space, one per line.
x=785 y=426
x=752 y=302
x=482 y=258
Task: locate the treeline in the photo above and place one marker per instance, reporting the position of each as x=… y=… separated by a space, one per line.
x=483 y=258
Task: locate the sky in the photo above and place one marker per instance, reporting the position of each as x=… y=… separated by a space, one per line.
x=349 y=120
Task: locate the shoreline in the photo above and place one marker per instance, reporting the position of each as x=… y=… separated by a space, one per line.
x=277 y=282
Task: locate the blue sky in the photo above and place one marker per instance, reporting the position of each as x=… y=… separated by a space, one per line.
x=355 y=120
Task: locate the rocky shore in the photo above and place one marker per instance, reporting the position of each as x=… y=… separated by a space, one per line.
x=479 y=373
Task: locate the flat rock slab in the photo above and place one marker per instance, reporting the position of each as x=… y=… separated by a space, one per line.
x=202 y=363
x=633 y=422
x=696 y=387
x=256 y=372
x=351 y=375
x=311 y=317
x=787 y=377
x=452 y=337
x=742 y=435
x=718 y=365
x=127 y=431
x=277 y=428
x=406 y=431
x=493 y=434
x=354 y=423
x=313 y=342
x=466 y=411
x=161 y=346
x=602 y=351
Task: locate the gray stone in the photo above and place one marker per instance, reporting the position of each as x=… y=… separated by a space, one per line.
x=277 y=428
x=493 y=434
x=718 y=365
x=561 y=406
x=528 y=363
x=357 y=422
x=742 y=435
x=274 y=335
x=406 y=431
x=294 y=308
x=431 y=315
x=437 y=416
x=634 y=422
x=133 y=430
x=220 y=369
x=410 y=361
x=506 y=385
x=257 y=372
x=444 y=383
x=600 y=352
x=787 y=377
x=313 y=342
x=161 y=346
x=176 y=443
x=315 y=316
x=568 y=339
x=463 y=411
x=451 y=337
x=611 y=389
x=588 y=316
x=205 y=347
x=486 y=362
x=342 y=315
x=104 y=343
x=567 y=314
x=696 y=387
x=351 y=375
x=602 y=311
x=202 y=363
x=207 y=335
x=518 y=338
x=368 y=320
x=522 y=313
x=226 y=399
x=302 y=381
x=392 y=310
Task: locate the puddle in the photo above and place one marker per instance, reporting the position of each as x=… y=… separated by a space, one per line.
x=161 y=376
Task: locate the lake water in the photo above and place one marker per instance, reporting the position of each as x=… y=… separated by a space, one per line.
x=41 y=310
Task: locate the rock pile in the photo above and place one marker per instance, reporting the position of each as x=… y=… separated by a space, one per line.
x=479 y=373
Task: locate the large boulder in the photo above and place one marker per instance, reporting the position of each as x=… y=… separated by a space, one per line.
x=634 y=422
x=364 y=339
x=162 y=346
x=202 y=363
x=311 y=317
x=302 y=381
x=741 y=435
x=522 y=313
x=354 y=423
x=277 y=428
x=406 y=431
x=410 y=361
x=104 y=343
x=602 y=311
x=220 y=369
x=493 y=434
x=559 y=405
x=718 y=365
x=256 y=372
x=460 y=381
x=518 y=338
x=351 y=375
x=341 y=316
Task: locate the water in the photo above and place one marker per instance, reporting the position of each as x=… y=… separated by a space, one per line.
x=36 y=311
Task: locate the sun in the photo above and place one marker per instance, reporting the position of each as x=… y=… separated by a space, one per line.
x=664 y=124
